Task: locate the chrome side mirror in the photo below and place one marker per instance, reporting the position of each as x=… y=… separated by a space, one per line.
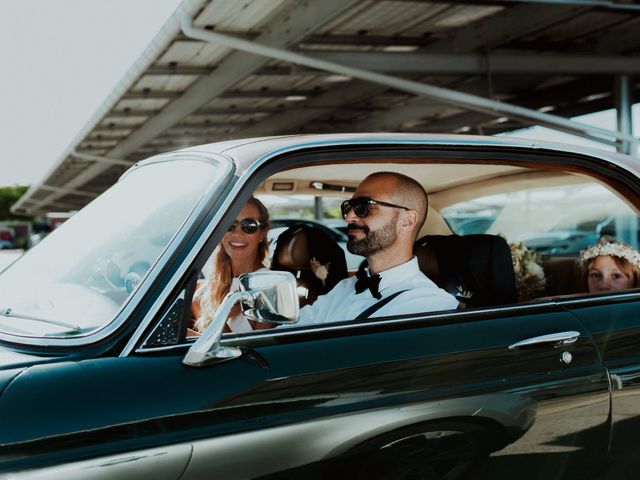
x=266 y=296
x=274 y=297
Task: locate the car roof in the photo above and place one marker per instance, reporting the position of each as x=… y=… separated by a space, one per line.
x=246 y=153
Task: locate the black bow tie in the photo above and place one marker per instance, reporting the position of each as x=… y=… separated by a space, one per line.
x=367 y=281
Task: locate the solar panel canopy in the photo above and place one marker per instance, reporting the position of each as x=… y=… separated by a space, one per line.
x=563 y=58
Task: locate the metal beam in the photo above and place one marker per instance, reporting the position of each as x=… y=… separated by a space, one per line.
x=421 y=62
x=482 y=63
x=178 y=69
x=263 y=93
x=609 y=4
x=373 y=40
x=80 y=193
x=206 y=126
x=623 y=94
x=268 y=93
x=150 y=94
x=100 y=159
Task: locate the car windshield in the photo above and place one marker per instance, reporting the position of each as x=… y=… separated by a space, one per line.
x=76 y=280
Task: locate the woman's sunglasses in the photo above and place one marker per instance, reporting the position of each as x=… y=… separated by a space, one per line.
x=247 y=225
x=362 y=206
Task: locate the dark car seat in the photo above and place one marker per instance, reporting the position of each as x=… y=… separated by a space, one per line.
x=564 y=275
x=476 y=269
x=313 y=257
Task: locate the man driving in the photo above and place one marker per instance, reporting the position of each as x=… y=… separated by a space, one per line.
x=383 y=217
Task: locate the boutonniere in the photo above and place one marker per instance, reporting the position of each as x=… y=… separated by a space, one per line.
x=319 y=270
x=464 y=294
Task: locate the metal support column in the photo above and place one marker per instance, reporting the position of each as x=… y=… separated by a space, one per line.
x=623 y=112
x=317 y=208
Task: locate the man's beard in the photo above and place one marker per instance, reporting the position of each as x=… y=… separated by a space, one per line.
x=374 y=241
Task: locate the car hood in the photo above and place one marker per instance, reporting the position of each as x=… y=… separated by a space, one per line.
x=11 y=360
x=12 y=363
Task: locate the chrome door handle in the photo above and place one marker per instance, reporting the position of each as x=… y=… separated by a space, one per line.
x=558 y=339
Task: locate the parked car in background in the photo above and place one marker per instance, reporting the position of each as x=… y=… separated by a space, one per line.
x=100 y=377
x=7 y=239
x=571 y=239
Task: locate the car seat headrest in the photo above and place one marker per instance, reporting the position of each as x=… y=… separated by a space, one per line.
x=477 y=269
x=315 y=258
x=292 y=251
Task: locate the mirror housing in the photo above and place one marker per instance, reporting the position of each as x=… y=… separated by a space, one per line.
x=265 y=296
x=274 y=298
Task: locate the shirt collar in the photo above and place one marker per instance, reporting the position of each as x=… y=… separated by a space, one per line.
x=394 y=275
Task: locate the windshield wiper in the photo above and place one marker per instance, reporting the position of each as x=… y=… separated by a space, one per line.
x=8 y=312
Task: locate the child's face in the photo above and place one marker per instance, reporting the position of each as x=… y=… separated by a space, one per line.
x=604 y=275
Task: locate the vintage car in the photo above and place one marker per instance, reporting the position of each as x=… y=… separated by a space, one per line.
x=100 y=379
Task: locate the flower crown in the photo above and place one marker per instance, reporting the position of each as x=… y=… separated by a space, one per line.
x=611 y=247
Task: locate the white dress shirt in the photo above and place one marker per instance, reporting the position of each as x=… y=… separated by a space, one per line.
x=343 y=303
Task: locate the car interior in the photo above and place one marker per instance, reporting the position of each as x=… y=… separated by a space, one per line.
x=481 y=213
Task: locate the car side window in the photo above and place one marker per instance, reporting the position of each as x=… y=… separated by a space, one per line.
x=547 y=228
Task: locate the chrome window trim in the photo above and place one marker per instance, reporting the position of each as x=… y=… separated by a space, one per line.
x=594 y=298
x=161 y=349
x=132 y=302
x=346 y=325
x=403 y=320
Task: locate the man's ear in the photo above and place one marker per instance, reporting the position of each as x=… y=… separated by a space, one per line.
x=409 y=219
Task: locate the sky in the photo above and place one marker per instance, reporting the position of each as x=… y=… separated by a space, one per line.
x=61 y=59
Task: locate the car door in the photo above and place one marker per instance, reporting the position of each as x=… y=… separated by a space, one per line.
x=614 y=322
x=442 y=394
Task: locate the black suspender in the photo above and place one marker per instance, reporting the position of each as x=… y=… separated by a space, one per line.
x=378 y=305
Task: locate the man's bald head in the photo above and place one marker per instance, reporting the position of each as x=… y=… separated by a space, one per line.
x=405 y=191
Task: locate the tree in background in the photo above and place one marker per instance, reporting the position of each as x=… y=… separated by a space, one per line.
x=9 y=196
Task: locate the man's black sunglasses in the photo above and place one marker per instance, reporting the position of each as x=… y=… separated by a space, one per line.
x=248 y=225
x=362 y=205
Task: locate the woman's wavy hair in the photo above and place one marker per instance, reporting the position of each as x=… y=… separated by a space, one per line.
x=214 y=289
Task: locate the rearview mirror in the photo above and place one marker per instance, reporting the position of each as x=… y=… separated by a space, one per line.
x=266 y=296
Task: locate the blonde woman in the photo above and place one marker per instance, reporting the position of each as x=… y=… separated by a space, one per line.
x=611 y=265
x=243 y=249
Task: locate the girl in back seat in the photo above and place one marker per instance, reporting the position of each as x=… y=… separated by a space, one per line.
x=611 y=265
